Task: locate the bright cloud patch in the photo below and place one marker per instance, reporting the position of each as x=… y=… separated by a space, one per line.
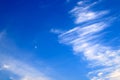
x=22 y=70
x=83 y=13
x=86 y=40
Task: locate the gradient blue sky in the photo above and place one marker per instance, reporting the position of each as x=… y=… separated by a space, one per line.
x=59 y=40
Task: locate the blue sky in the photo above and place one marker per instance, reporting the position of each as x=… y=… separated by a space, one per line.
x=59 y=40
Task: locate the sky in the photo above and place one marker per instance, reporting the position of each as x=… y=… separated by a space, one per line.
x=59 y=40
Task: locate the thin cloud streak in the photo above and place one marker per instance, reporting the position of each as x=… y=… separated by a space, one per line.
x=56 y=31
x=22 y=70
x=15 y=66
x=82 y=12
x=86 y=40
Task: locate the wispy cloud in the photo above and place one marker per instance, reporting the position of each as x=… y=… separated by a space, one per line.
x=2 y=34
x=22 y=70
x=86 y=40
x=56 y=31
x=16 y=66
x=83 y=13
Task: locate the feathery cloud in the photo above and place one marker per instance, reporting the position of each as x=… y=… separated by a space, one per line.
x=83 y=13
x=86 y=40
x=22 y=70
x=11 y=64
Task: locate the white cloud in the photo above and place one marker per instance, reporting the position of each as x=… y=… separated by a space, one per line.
x=5 y=66
x=108 y=73
x=83 y=13
x=16 y=67
x=86 y=40
x=56 y=31
x=83 y=40
x=22 y=70
x=115 y=75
